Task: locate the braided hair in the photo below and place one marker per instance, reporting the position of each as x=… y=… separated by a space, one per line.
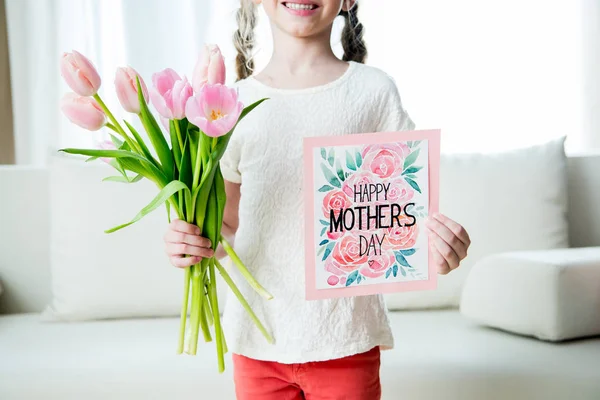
x=355 y=48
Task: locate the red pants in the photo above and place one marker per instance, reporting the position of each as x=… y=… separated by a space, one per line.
x=350 y=378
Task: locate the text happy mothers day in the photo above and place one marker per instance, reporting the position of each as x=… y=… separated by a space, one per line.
x=369 y=217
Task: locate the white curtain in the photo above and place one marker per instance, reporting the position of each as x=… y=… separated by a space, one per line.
x=492 y=75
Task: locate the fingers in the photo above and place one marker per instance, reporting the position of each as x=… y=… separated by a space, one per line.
x=182 y=249
x=451 y=260
x=443 y=267
x=443 y=232
x=183 y=227
x=184 y=245
x=455 y=228
x=184 y=262
x=179 y=237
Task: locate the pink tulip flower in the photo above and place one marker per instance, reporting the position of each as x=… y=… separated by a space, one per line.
x=215 y=110
x=170 y=94
x=126 y=86
x=210 y=68
x=80 y=74
x=83 y=111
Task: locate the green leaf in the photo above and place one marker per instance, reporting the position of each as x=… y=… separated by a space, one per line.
x=90 y=159
x=323 y=222
x=163 y=195
x=408 y=252
x=414 y=184
x=340 y=172
x=323 y=153
x=402 y=271
x=410 y=143
x=140 y=141
x=321 y=250
x=324 y=242
x=331 y=178
x=401 y=260
x=330 y=158
x=123 y=179
x=350 y=162
x=358 y=279
x=395 y=270
x=143 y=166
x=117 y=142
x=325 y=188
x=175 y=148
x=221 y=201
x=323 y=231
x=412 y=170
x=388 y=272
x=328 y=249
x=412 y=157
x=351 y=278
x=359 y=159
x=155 y=134
x=416 y=143
x=185 y=165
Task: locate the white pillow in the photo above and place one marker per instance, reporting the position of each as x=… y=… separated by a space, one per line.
x=549 y=294
x=507 y=201
x=97 y=275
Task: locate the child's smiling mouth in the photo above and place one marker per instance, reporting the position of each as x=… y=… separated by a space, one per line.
x=300 y=6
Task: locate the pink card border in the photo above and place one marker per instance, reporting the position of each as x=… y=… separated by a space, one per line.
x=433 y=137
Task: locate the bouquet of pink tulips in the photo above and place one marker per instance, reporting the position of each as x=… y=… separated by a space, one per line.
x=201 y=117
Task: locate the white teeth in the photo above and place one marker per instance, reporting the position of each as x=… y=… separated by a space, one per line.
x=296 y=6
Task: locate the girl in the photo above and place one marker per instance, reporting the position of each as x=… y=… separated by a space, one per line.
x=326 y=349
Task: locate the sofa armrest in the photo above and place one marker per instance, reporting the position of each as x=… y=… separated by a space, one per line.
x=552 y=294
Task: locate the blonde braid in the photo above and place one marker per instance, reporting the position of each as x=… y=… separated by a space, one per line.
x=243 y=38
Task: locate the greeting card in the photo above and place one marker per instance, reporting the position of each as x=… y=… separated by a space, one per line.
x=366 y=200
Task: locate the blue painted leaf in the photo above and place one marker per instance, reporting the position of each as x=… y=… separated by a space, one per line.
x=323 y=231
x=412 y=170
x=351 y=278
x=340 y=172
x=350 y=162
x=420 y=208
x=323 y=222
x=395 y=270
x=331 y=178
x=412 y=157
x=402 y=271
x=330 y=157
x=359 y=279
x=408 y=252
x=359 y=159
x=325 y=188
x=414 y=184
x=323 y=153
x=324 y=242
x=401 y=260
x=328 y=250
x=387 y=273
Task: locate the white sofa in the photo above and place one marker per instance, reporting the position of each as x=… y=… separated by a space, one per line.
x=439 y=353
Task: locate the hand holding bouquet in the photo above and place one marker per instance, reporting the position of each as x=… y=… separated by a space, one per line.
x=201 y=116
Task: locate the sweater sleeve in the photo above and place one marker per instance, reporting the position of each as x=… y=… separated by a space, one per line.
x=394 y=117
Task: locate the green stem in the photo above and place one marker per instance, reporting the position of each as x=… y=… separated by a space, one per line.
x=119 y=129
x=184 y=309
x=212 y=291
x=243 y=301
x=244 y=271
x=208 y=313
x=178 y=130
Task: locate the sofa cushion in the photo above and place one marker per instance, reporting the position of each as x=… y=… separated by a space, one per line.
x=97 y=275
x=551 y=295
x=507 y=201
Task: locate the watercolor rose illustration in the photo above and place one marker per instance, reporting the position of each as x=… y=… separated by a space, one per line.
x=351 y=257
